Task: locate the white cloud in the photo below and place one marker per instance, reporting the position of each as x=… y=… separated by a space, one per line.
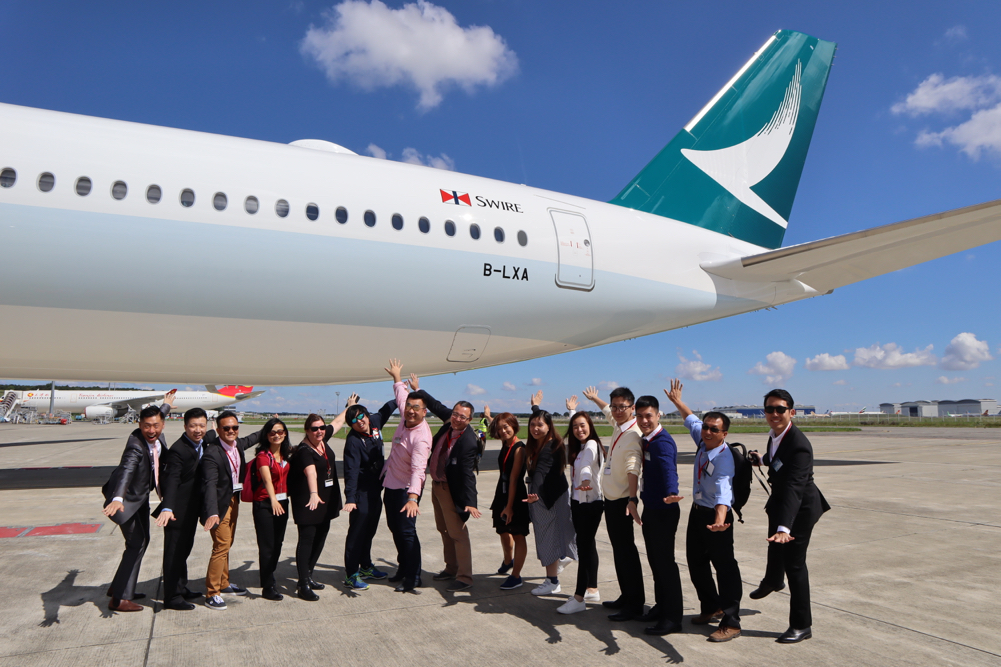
x=419 y=45
x=509 y=386
x=377 y=152
x=944 y=380
x=608 y=385
x=956 y=33
x=965 y=353
x=778 y=368
x=473 y=390
x=825 y=362
x=536 y=382
x=841 y=382
x=696 y=369
x=412 y=156
x=979 y=134
x=890 y=356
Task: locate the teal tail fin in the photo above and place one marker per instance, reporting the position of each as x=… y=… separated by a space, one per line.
x=736 y=165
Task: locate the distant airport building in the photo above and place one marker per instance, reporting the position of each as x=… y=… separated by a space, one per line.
x=758 y=412
x=967 y=406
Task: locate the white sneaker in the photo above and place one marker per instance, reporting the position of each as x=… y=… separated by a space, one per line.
x=563 y=563
x=592 y=597
x=571 y=606
x=546 y=588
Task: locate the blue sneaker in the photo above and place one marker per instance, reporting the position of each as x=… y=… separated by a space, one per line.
x=355 y=583
x=371 y=573
x=511 y=583
x=505 y=567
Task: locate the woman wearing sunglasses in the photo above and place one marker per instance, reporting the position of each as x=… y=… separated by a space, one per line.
x=271 y=500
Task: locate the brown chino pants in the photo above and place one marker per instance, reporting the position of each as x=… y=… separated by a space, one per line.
x=217 y=577
x=454 y=534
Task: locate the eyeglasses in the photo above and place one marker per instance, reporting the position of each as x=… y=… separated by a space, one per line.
x=279 y=434
x=460 y=417
x=314 y=429
x=621 y=408
x=781 y=409
x=414 y=408
x=229 y=428
x=711 y=429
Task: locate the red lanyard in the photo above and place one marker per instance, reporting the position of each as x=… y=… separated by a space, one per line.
x=615 y=442
x=509 y=450
x=234 y=460
x=701 y=468
x=327 y=460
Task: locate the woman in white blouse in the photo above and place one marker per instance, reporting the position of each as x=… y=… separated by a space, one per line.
x=585 y=454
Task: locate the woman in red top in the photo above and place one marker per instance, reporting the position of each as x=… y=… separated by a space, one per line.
x=270 y=507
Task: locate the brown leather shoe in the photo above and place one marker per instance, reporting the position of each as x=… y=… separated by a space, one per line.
x=724 y=633
x=123 y=605
x=706 y=619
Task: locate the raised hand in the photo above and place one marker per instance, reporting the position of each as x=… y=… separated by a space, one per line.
x=674 y=394
x=169 y=397
x=352 y=399
x=414 y=382
x=572 y=404
x=537 y=398
x=486 y=413
x=394 y=370
x=591 y=394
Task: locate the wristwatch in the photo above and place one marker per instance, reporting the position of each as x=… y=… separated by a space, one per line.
x=635 y=499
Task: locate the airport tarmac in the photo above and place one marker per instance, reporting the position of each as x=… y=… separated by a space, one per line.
x=902 y=570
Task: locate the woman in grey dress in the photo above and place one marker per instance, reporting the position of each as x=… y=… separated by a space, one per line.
x=549 y=498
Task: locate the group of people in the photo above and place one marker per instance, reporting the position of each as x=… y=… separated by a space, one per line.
x=203 y=477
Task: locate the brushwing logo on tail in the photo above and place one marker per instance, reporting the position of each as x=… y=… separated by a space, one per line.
x=737 y=168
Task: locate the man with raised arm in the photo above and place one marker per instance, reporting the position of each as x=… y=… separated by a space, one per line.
x=709 y=539
x=620 y=485
x=403 y=479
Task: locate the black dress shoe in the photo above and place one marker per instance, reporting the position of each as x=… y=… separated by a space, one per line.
x=306 y=593
x=624 y=615
x=763 y=590
x=793 y=636
x=190 y=595
x=617 y=603
x=316 y=586
x=444 y=575
x=178 y=605
x=271 y=594
x=663 y=627
x=403 y=588
x=396 y=578
x=651 y=616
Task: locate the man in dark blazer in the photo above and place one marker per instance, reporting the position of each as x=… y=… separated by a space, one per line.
x=453 y=458
x=126 y=499
x=178 y=513
x=223 y=467
x=793 y=508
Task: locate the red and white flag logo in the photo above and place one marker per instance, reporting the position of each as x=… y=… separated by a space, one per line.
x=453 y=197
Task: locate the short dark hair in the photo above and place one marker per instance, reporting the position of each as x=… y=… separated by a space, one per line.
x=647 y=402
x=353 y=411
x=417 y=396
x=717 y=415
x=150 y=411
x=782 y=395
x=622 y=392
x=465 y=404
x=226 y=414
x=503 y=418
x=194 y=413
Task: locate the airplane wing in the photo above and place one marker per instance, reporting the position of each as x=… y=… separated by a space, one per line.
x=253 y=394
x=134 y=403
x=842 y=260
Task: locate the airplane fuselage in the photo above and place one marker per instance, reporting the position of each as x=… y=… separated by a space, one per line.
x=78 y=401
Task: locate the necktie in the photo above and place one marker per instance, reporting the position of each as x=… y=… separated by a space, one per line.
x=442 y=457
x=156 y=469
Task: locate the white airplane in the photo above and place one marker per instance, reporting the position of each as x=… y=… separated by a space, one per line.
x=111 y=403
x=347 y=260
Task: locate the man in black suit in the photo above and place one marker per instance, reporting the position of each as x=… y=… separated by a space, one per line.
x=179 y=511
x=126 y=499
x=453 y=489
x=223 y=468
x=793 y=508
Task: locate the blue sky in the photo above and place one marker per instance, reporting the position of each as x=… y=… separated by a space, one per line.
x=576 y=97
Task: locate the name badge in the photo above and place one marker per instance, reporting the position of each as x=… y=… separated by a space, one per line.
x=281 y=496
x=237 y=488
x=608 y=471
x=646 y=456
x=454 y=461
x=328 y=482
x=776 y=464
x=698 y=495
x=709 y=468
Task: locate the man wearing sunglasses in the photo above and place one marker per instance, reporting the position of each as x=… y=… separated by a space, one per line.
x=794 y=507
x=223 y=470
x=709 y=539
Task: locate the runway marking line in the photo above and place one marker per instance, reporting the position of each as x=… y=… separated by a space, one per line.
x=58 y=529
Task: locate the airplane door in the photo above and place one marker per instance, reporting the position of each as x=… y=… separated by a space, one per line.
x=469 y=343
x=575 y=269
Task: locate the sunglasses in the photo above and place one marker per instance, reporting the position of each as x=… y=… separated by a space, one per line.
x=314 y=429
x=280 y=434
x=711 y=429
x=229 y=428
x=781 y=409
x=358 y=417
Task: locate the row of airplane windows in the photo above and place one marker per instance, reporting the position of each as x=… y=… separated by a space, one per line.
x=119 y=190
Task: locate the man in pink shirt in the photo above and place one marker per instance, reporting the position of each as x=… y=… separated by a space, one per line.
x=403 y=479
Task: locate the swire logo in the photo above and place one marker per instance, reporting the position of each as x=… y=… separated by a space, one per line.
x=453 y=197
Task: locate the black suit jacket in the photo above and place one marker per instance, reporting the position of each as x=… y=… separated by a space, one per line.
x=132 y=480
x=459 y=470
x=217 y=480
x=180 y=482
x=795 y=502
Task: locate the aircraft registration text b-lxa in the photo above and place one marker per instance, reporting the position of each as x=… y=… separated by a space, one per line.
x=343 y=258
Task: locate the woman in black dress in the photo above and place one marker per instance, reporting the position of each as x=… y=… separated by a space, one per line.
x=510 y=512
x=316 y=499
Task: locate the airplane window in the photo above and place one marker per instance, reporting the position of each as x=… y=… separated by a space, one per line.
x=119 y=190
x=46 y=182
x=341 y=214
x=522 y=238
x=312 y=211
x=370 y=218
x=450 y=228
x=474 y=231
x=281 y=208
x=8 y=177
x=219 y=201
x=153 y=194
x=397 y=221
x=424 y=225
x=187 y=197
x=83 y=186
x=498 y=235
x=251 y=205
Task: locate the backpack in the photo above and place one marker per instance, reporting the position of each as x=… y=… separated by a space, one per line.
x=742 y=473
x=481 y=446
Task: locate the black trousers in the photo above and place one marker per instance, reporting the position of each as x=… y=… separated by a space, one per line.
x=704 y=547
x=628 y=569
x=136 y=534
x=586 y=517
x=177 y=543
x=307 y=551
x=362 y=525
x=660 y=527
x=789 y=561
x=270 y=531
x=404 y=529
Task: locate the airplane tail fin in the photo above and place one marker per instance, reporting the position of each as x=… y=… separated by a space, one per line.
x=735 y=167
x=230 y=390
